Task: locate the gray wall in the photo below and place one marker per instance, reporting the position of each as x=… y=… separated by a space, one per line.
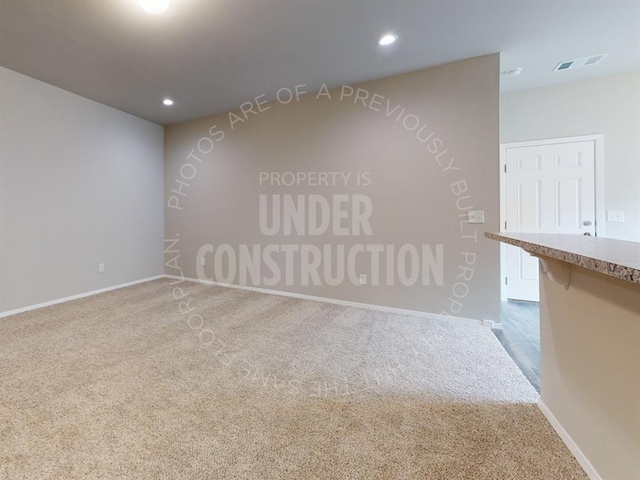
x=411 y=194
x=604 y=105
x=80 y=184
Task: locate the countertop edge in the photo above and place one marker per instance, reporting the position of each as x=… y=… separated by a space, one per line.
x=622 y=272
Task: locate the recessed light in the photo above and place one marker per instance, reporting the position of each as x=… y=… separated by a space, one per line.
x=387 y=39
x=154 y=6
x=514 y=72
x=168 y=102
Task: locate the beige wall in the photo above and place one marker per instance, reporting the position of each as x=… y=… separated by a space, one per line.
x=411 y=194
x=80 y=184
x=589 y=365
x=605 y=105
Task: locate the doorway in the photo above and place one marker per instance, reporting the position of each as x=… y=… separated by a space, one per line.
x=547 y=186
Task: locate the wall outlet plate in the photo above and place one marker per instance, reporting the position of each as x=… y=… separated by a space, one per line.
x=475 y=216
x=614 y=216
x=363 y=279
x=101 y=267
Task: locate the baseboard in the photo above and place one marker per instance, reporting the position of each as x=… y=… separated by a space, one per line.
x=492 y=324
x=568 y=441
x=76 y=297
x=380 y=308
x=345 y=303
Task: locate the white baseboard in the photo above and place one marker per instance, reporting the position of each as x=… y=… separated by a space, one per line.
x=345 y=303
x=380 y=308
x=492 y=324
x=76 y=297
x=568 y=441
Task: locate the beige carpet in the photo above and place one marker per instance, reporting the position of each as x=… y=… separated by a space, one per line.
x=122 y=385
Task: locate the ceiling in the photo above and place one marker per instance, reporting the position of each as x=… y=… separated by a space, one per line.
x=212 y=55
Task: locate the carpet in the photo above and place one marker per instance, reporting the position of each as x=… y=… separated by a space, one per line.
x=173 y=381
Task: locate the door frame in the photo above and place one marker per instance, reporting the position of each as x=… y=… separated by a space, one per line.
x=599 y=227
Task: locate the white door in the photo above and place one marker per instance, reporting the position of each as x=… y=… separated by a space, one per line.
x=549 y=189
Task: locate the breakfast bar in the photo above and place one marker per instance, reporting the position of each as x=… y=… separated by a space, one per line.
x=590 y=346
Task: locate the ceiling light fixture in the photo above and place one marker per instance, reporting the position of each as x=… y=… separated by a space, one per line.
x=387 y=39
x=168 y=102
x=514 y=72
x=155 y=6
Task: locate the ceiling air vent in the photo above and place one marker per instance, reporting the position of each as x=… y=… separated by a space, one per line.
x=580 y=62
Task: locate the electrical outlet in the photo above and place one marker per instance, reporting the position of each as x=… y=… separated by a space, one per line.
x=363 y=279
x=101 y=267
x=613 y=216
x=475 y=216
x=202 y=261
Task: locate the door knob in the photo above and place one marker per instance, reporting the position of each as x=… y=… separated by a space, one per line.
x=587 y=223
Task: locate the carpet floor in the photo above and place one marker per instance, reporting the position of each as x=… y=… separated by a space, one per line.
x=230 y=384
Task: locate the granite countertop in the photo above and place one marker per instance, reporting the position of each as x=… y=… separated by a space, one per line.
x=616 y=258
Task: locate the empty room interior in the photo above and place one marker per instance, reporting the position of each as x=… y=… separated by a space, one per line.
x=284 y=239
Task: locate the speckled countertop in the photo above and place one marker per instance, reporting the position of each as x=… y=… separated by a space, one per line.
x=616 y=258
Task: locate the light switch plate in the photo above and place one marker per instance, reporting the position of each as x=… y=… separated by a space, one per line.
x=613 y=216
x=475 y=216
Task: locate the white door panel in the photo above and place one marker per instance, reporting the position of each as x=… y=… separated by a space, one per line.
x=528 y=205
x=549 y=189
x=522 y=273
x=568 y=203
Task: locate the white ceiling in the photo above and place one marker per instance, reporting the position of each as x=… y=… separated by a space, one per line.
x=212 y=55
